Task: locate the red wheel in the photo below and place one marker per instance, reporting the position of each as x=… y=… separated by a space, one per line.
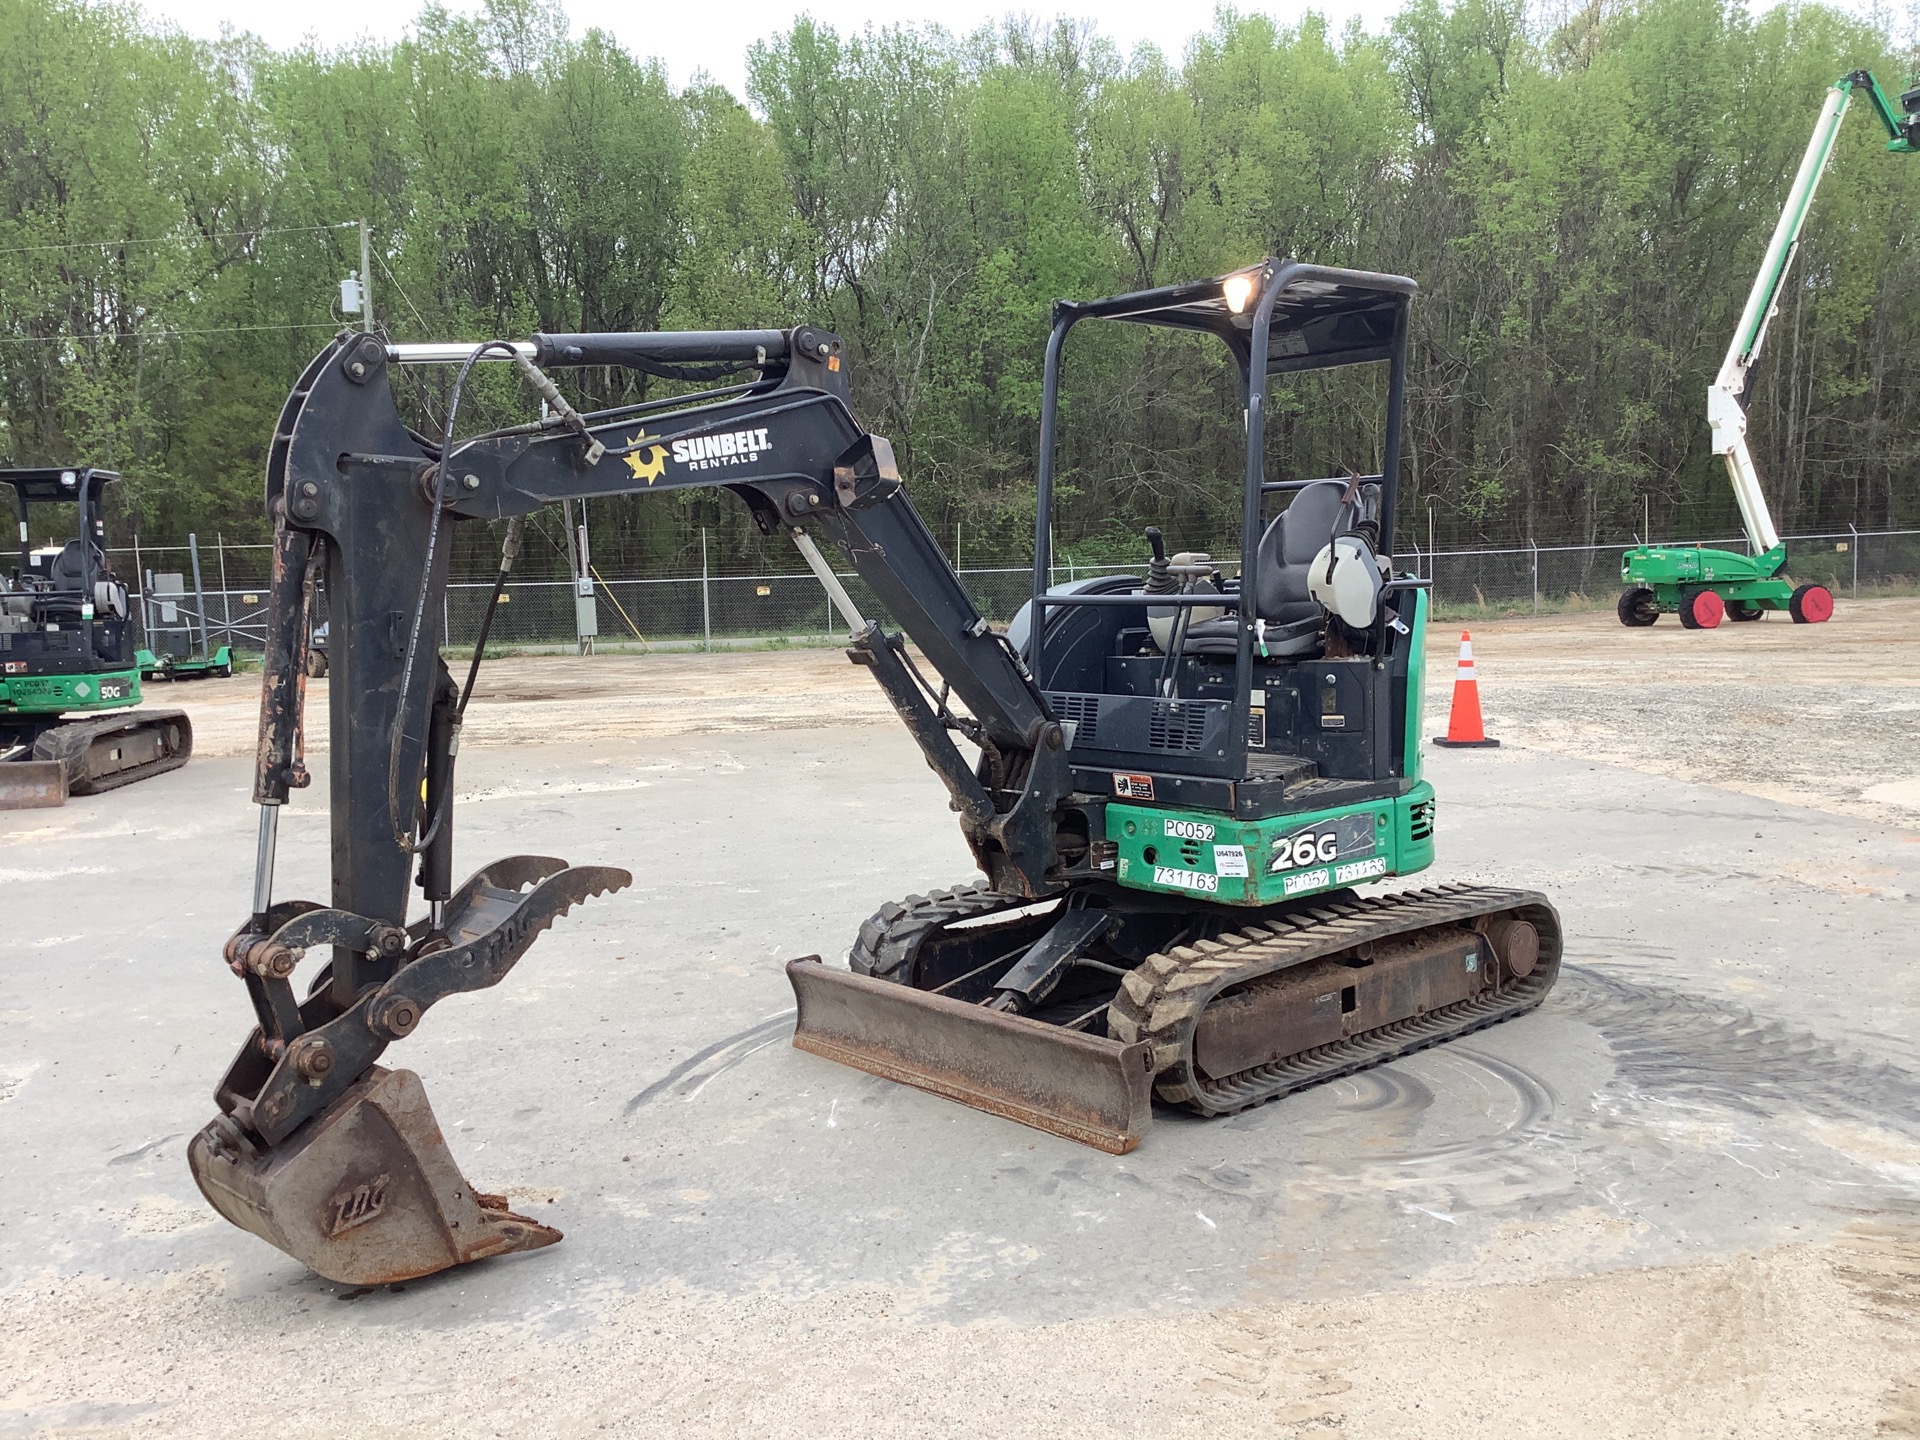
x=1811 y=604
x=1702 y=609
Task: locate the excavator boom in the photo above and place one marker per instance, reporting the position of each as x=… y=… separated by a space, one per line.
x=317 y=1148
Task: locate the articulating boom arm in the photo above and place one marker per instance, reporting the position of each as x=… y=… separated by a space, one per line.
x=787 y=444
x=1726 y=397
x=297 y=1155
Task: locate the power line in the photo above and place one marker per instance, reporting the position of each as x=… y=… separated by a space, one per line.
x=381 y=261
x=175 y=239
x=164 y=334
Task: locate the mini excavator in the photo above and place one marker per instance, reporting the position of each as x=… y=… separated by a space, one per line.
x=1171 y=782
x=69 y=670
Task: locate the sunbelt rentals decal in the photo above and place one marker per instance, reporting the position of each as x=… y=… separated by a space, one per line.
x=716 y=452
x=648 y=461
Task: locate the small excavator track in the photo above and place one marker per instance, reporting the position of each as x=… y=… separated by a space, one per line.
x=890 y=939
x=1163 y=1001
x=107 y=751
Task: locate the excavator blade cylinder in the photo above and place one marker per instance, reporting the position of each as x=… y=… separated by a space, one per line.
x=365 y=1193
x=32 y=784
x=1084 y=1087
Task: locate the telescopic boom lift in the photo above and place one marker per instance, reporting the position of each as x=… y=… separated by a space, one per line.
x=1700 y=584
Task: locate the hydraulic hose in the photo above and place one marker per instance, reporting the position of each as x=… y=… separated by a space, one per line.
x=403 y=834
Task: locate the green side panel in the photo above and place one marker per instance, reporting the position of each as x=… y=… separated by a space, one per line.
x=1413 y=758
x=221 y=659
x=1655 y=565
x=1216 y=859
x=57 y=694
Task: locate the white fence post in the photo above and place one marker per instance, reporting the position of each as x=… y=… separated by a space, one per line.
x=226 y=595
x=706 y=598
x=1856 y=558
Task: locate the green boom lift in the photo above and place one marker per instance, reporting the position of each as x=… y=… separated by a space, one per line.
x=69 y=672
x=1699 y=584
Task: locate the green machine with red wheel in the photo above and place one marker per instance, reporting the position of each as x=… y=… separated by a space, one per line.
x=1702 y=585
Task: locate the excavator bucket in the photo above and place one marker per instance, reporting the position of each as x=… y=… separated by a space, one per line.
x=365 y=1193
x=32 y=784
x=1085 y=1087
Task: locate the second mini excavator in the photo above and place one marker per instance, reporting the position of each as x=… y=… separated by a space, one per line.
x=1171 y=782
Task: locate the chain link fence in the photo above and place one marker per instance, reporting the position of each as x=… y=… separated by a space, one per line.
x=1548 y=577
x=710 y=610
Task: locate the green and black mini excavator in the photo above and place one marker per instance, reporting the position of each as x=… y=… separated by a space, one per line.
x=1172 y=782
x=69 y=669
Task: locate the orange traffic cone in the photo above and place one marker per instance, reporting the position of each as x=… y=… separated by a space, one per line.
x=1464 y=727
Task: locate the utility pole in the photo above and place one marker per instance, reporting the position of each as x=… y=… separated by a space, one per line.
x=366 y=277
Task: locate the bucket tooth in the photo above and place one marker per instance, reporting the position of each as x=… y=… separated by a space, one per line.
x=1084 y=1087
x=364 y=1193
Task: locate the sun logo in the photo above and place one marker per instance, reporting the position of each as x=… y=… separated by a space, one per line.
x=653 y=466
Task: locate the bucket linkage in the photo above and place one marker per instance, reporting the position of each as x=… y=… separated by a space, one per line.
x=324 y=1153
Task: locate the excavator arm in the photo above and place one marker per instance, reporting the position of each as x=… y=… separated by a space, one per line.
x=317 y=1148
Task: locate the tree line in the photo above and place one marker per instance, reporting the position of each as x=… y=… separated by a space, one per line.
x=1583 y=198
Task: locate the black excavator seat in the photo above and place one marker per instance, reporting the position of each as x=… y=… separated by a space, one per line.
x=68 y=571
x=1293 y=617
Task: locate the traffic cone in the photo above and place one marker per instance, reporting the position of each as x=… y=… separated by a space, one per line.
x=1464 y=727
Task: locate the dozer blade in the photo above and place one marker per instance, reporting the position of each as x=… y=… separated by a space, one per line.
x=32 y=784
x=365 y=1193
x=1085 y=1087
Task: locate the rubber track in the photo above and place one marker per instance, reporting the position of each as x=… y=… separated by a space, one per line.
x=1162 y=1000
x=69 y=741
x=891 y=937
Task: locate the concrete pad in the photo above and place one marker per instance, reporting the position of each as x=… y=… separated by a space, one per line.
x=1688 y=1186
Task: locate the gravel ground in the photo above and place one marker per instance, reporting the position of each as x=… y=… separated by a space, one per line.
x=1814 y=715
x=1682 y=1200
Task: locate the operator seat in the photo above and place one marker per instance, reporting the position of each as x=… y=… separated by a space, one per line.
x=1280 y=597
x=68 y=571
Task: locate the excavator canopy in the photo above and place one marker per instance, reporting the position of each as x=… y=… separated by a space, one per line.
x=1319 y=317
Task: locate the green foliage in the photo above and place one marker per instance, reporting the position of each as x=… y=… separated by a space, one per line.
x=1583 y=202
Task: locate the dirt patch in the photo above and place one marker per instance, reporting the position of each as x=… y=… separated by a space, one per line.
x=533 y=699
x=1623 y=1354
x=1817 y=715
